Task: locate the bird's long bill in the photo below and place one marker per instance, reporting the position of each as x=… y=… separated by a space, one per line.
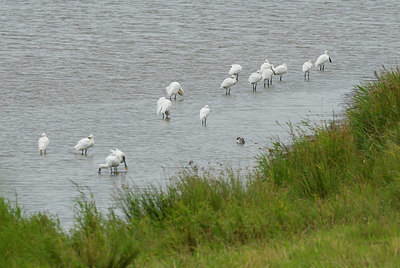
x=99 y=170
x=126 y=167
x=330 y=60
x=273 y=70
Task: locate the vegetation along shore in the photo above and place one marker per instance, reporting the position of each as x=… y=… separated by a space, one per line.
x=329 y=199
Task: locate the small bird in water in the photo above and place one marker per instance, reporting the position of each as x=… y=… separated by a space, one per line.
x=306 y=69
x=112 y=161
x=164 y=107
x=84 y=144
x=204 y=112
x=254 y=78
x=322 y=59
x=240 y=140
x=121 y=156
x=235 y=70
x=173 y=89
x=43 y=143
x=280 y=70
x=228 y=83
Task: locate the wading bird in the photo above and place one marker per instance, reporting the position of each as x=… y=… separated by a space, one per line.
x=267 y=74
x=228 y=83
x=254 y=78
x=204 y=112
x=306 y=69
x=281 y=70
x=322 y=59
x=121 y=156
x=173 y=89
x=43 y=143
x=112 y=161
x=164 y=107
x=84 y=144
x=235 y=70
x=240 y=140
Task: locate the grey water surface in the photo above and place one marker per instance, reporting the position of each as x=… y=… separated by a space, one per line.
x=72 y=68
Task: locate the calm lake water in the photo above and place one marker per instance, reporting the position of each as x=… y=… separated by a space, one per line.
x=72 y=68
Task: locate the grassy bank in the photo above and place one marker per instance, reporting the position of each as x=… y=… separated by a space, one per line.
x=328 y=199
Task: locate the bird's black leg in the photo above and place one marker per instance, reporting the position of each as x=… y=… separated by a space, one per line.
x=308 y=75
x=82 y=151
x=175 y=96
x=305 y=75
x=237 y=78
x=271 y=80
x=280 y=79
x=264 y=83
x=85 y=151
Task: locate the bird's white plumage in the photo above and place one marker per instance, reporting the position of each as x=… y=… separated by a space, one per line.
x=267 y=73
x=85 y=143
x=43 y=143
x=119 y=154
x=173 y=89
x=228 y=83
x=307 y=66
x=164 y=106
x=281 y=69
x=235 y=69
x=255 y=77
x=111 y=161
x=322 y=59
x=266 y=65
x=204 y=112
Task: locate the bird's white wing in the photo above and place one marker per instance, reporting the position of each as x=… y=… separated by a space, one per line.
x=83 y=144
x=43 y=143
x=204 y=112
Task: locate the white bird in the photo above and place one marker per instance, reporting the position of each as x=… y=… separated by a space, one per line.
x=281 y=70
x=164 y=107
x=265 y=65
x=235 y=70
x=240 y=140
x=267 y=74
x=121 y=156
x=173 y=89
x=254 y=78
x=43 y=143
x=228 y=83
x=322 y=59
x=306 y=69
x=204 y=112
x=112 y=161
x=84 y=144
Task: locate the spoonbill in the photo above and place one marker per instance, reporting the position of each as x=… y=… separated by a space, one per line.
x=164 y=107
x=240 y=140
x=322 y=59
x=306 y=69
x=121 y=156
x=267 y=75
x=173 y=89
x=281 y=70
x=204 y=112
x=254 y=78
x=235 y=70
x=112 y=161
x=84 y=144
x=43 y=143
x=228 y=83
x=266 y=65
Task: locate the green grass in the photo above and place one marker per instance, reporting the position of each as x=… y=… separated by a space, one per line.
x=331 y=198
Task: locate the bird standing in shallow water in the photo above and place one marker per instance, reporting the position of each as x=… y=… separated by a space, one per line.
x=84 y=144
x=235 y=70
x=254 y=78
x=322 y=60
x=43 y=143
x=112 y=161
x=173 y=89
x=228 y=83
x=306 y=69
x=267 y=74
x=121 y=156
x=204 y=112
x=164 y=107
x=280 y=70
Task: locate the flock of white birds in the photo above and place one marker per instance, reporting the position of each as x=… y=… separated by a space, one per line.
x=265 y=74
